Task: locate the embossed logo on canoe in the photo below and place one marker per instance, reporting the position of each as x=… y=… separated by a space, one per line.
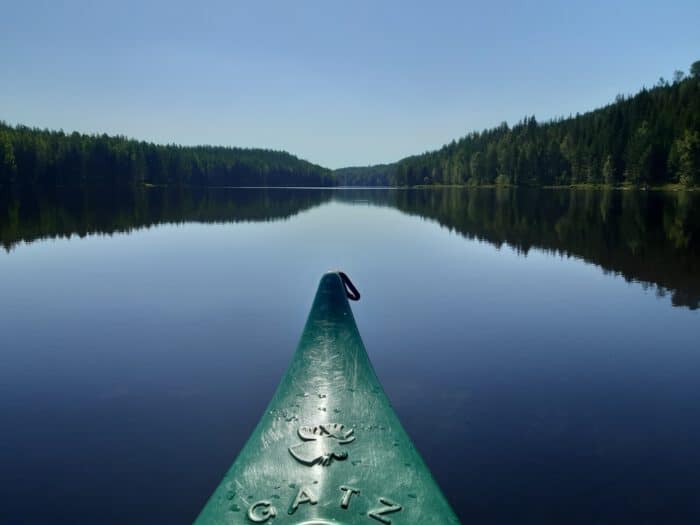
x=322 y=444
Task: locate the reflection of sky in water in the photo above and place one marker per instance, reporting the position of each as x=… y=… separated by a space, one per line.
x=534 y=386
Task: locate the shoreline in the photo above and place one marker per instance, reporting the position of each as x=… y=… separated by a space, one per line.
x=581 y=186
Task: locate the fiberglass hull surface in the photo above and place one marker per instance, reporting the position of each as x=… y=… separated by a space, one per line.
x=329 y=448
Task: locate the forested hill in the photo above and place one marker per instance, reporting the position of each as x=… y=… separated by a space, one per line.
x=650 y=138
x=30 y=156
x=377 y=175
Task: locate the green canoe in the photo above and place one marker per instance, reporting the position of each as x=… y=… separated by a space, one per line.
x=329 y=449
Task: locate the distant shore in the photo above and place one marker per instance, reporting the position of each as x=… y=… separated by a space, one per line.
x=579 y=186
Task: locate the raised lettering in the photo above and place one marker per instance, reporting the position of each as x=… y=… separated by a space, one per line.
x=347 y=494
x=303 y=496
x=380 y=513
x=261 y=511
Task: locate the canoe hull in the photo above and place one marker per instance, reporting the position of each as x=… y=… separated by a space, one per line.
x=329 y=449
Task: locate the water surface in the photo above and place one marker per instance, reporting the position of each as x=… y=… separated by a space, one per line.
x=540 y=347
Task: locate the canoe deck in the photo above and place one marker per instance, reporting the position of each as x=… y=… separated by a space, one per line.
x=329 y=449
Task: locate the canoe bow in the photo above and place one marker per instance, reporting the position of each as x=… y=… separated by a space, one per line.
x=329 y=449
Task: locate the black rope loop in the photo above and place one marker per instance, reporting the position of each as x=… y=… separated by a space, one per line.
x=350 y=289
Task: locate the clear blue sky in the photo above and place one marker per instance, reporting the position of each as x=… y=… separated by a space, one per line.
x=336 y=82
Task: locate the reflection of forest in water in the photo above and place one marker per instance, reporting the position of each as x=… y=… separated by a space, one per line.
x=31 y=215
x=651 y=237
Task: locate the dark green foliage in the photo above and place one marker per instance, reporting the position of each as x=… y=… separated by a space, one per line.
x=631 y=140
x=636 y=140
x=609 y=171
x=53 y=158
x=8 y=166
x=378 y=175
x=638 y=160
x=695 y=69
x=688 y=162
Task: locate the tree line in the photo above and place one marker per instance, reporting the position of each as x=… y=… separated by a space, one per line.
x=31 y=156
x=377 y=175
x=651 y=138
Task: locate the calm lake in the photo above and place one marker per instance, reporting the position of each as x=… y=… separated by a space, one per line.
x=540 y=346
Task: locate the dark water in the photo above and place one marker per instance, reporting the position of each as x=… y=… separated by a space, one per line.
x=541 y=347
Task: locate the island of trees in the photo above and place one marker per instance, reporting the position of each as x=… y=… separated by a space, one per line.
x=648 y=139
